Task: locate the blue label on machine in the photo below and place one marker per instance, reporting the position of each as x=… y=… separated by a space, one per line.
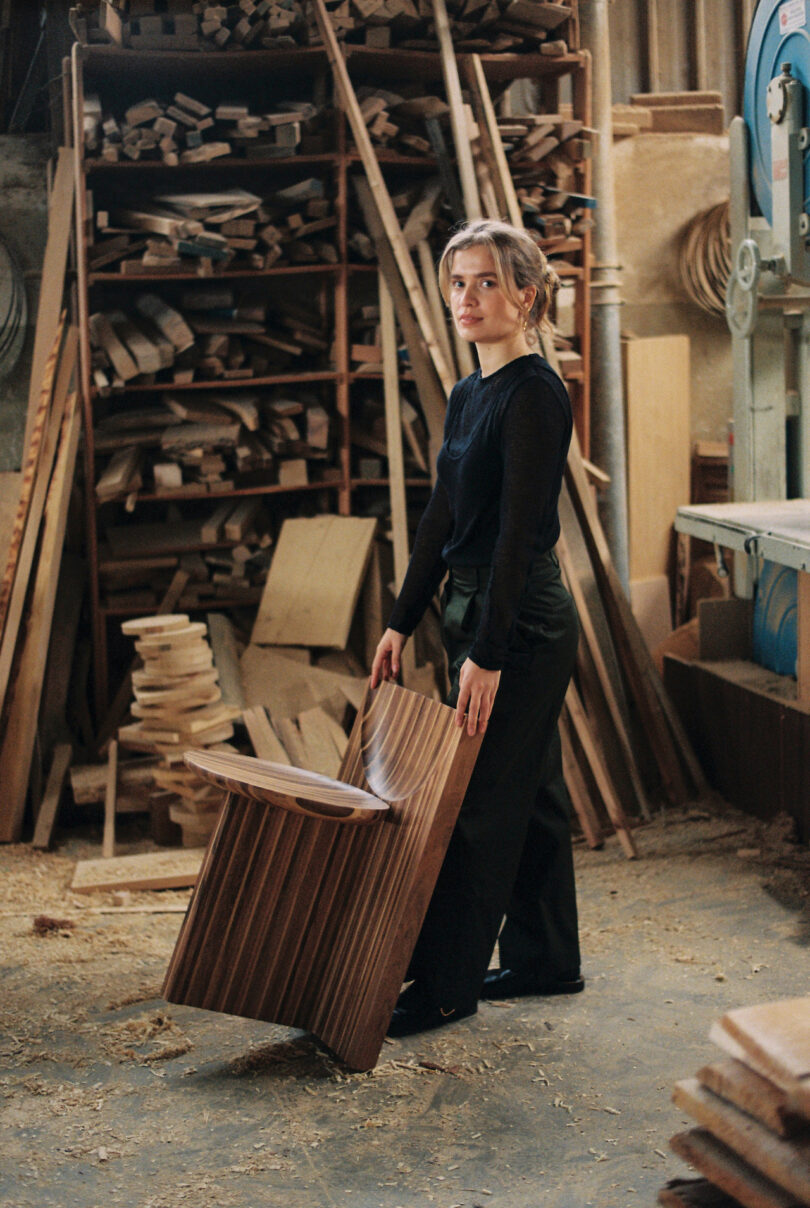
x=778 y=35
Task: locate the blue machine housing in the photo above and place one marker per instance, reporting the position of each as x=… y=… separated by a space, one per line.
x=768 y=49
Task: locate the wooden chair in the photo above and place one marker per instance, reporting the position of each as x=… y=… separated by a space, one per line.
x=313 y=891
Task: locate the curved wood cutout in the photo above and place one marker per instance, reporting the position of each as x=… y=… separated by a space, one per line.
x=292 y=789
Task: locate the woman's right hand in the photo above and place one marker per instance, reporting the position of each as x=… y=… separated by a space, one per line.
x=387 y=657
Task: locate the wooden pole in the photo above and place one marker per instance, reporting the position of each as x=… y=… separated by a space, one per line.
x=458 y=117
x=380 y=195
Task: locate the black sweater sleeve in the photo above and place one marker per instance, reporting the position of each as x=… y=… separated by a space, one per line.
x=427 y=567
x=535 y=433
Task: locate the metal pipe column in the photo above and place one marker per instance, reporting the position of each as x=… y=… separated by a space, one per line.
x=607 y=393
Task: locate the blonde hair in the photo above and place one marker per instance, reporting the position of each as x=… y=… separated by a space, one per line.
x=519 y=263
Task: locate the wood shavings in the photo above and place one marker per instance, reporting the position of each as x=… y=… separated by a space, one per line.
x=44 y=924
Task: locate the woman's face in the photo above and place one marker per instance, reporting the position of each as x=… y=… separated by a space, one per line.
x=481 y=311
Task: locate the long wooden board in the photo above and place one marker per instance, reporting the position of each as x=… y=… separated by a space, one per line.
x=52 y=284
x=20 y=733
x=311 y=923
x=314 y=581
x=176 y=868
x=36 y=475
x=458 y=118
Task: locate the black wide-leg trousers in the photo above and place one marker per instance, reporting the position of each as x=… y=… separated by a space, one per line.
x=510 y=852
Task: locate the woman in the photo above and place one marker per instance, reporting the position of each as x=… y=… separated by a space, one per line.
x=510 y=631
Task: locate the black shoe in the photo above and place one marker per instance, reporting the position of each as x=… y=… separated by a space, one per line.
x=411 y=1015
x=511 y=983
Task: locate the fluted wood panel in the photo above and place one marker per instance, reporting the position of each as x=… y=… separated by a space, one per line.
x=311 y=922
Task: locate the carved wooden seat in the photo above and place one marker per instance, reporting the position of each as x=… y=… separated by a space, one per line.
x=313 y=890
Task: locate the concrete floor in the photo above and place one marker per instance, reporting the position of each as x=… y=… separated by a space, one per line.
x=110 y=1097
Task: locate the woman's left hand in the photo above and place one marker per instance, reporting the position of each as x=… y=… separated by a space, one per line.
x=476 y=696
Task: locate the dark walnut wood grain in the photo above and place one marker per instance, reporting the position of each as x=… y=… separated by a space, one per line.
x=303 y=920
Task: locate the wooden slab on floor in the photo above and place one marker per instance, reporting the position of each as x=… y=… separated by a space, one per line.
x=737 y=1083
x=314 y=581
x=176 y=868
x=786 y=1163
x=266 y=743
x=728 y=1171
x=694 y=1193
x=777 y=1036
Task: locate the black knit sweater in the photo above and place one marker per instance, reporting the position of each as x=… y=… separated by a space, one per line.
x=500 y=470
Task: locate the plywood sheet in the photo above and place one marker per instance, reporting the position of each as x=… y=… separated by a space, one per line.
x=657 y=399
x=314 y=581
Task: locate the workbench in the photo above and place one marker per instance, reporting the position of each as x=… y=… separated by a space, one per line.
x=777 y=530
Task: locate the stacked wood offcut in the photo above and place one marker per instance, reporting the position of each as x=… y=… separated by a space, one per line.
x=178 y=704
x=182 y=129
x=751 y=1143
x=477 y=25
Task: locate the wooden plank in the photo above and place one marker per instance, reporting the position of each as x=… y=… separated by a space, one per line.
x=777 y=1036
x=458 y=118
x=177 y=868
x=396 y=461
x=314 y=581
x=10 y=489
x=599 y=772
x=680 y=772
x=18 y=740
x=222 y=636
x=729 y=1172
x=591 y=640
x=36 y=474
x=577 y=788
x=487 y=121
x=334 y=909
x=429 y=387
x=735 y=1082
x=108 y=841
x=786 y=1163
x=266 y=742
x=658 y=410
x=379 y=191
x=52 y=282
x=694 y=1193
x=89 y=781
x=49 y=806
x=287 y=687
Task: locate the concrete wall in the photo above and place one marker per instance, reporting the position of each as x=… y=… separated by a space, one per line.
x=23 y=226
x=662 y=181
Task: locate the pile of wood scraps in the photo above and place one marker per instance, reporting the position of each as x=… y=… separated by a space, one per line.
x=751 y=1145
x=478 y=25
x=184 y=130
x=203 y=334
x=203 y=25
x=489 y=26
x=210 y=232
